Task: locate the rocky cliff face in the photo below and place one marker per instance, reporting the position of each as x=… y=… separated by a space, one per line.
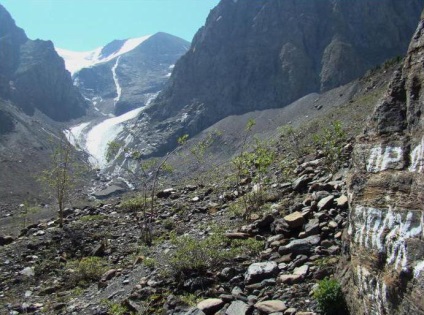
x=33 y=76
x=386 y=190
x=254 y=55
x=132 y=79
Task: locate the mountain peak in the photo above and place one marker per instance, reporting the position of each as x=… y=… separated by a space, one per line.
x=77 y=60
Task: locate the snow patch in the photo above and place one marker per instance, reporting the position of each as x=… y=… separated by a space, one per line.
x=77 y=60
x=381 y=159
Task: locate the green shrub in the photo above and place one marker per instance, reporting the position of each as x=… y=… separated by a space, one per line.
x=194 y=255
x=331 y=141
x=330 y=297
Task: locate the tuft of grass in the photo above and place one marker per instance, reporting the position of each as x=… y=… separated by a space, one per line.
x=87 y=270
x=95 y=217
x=134 y=204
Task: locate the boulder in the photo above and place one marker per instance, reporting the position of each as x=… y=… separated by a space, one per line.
x=295 y=219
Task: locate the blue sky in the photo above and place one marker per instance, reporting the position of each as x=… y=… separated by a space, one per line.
x=86 y=24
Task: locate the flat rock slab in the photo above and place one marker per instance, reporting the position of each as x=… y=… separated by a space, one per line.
x=271 y=306
x=260 y=271
x=300 y=246
x=110 y=191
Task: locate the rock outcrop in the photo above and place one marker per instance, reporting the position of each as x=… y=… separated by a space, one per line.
x=253 y=55
x=33 y=76
x=386 y=190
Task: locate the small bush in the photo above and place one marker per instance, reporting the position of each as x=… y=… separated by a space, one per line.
x=194 y=255
x=331 y=141
x=330 y=297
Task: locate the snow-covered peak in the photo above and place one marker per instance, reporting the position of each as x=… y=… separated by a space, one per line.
x=77 y=60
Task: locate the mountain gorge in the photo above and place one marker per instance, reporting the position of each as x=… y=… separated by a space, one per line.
x=298 y=192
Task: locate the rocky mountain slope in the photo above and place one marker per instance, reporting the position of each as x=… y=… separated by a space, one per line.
x=125 y=74
x=386 y=216
x=255 y=55
x=33 y=76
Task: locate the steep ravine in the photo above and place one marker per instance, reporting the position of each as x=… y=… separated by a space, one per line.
x=386 y=255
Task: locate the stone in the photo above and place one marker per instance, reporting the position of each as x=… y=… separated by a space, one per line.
x=108 y=275
x=295 y=219
x=227 y=273
x=325 y=203
x=300 y=246
x=280 y=226
x=301 y=271
x=290 y=311
x=312 y=227
x=265 y=222
x=332 y=224
x=301 y=183
x=6 y=240
x=237 y=308
x=28 y=272
x=260 y=271
x=290 y=279
x=165 y=193
x=342 y=202
x=194 y=311
x=210 y=306
x=271 y=306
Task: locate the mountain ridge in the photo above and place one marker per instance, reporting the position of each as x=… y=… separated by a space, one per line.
x=235 y=65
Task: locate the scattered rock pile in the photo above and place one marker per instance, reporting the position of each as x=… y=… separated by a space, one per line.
x=301 y=231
